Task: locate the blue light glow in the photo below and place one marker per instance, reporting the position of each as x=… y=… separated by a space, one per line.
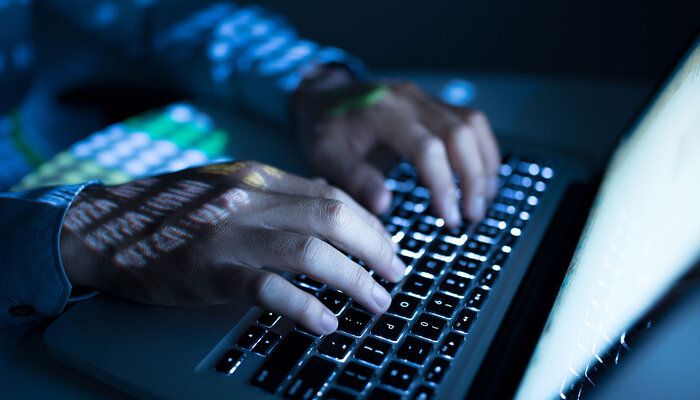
x=105 y=14
x=458 y=92
x=23 y=55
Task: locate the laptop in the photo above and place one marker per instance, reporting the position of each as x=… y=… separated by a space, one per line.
x=464 y=321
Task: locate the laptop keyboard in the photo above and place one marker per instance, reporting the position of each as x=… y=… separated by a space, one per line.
x=406 y=352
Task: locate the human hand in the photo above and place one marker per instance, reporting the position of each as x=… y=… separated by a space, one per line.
x=204 y=235
x=438 y=138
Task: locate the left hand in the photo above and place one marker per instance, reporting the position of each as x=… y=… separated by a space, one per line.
x=436 y=137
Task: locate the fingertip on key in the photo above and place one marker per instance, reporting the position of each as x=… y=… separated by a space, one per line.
x=477 y=208
x=381 y=297
x=329 y=323
x=398 y=269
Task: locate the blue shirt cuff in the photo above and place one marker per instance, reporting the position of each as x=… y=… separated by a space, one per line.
x=34 y=284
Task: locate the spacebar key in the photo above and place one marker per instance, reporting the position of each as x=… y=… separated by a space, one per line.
x=281 y=361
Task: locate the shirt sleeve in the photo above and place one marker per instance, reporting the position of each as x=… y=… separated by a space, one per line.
x=242 y=54
x=34 y=284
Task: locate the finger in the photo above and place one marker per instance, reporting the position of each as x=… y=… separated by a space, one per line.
x=308 y=255
x=428 y=153
x=360 y=178
x=274 y=293
x=336 y=222
x=489 y=149
x=296 y=185
x=488 y=145
x=465 y=155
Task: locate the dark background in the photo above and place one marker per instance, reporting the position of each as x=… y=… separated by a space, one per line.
x=605 y=39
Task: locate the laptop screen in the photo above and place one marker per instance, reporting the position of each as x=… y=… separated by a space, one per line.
x=642 y=234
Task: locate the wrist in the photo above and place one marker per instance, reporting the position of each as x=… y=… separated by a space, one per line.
x=305 y=103
x=325 y=77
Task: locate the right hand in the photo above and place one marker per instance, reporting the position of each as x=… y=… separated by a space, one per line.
x=209 y=235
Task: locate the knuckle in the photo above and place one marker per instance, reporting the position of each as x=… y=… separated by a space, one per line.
x=359 y=279
x=307 y=251
x=386 y=252
x=476 y=117
x=334 y=213
x=430 y=147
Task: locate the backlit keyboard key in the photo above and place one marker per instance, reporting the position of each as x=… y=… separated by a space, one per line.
x=441 y=248
x=430 y=265
x=429 y=327
x=388 y=285
x=455 y=284
x=488 y=278
x=464 y=321
x=411 y=244
x=466 y=265
x=268 y=341
x=437 y=370
x=336 y=345
x=404 y=305
x=424 y=392
x=399 y=375
x=414 y=350
x=355 y=376
x=268 y=319
x=334 y=300
x=354 y=322
x=305 y=280
x=423 y=228
x=442 y=304
x=451 y=344
x=476 y=298
x=476 y=247
x=417 y=285
x=373 y=351
x=250 y=337
x=229 y=362
x=389 y=327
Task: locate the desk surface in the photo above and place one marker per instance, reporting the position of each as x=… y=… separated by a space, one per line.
x=579 y=117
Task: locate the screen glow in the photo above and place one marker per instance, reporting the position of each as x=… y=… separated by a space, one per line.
x=642 y=234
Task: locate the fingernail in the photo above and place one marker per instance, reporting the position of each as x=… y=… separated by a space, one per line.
x=477 y=207
x=492 y=186
x=381 y=297
x=328 y=322
x=398 y=268
x=454 y=215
